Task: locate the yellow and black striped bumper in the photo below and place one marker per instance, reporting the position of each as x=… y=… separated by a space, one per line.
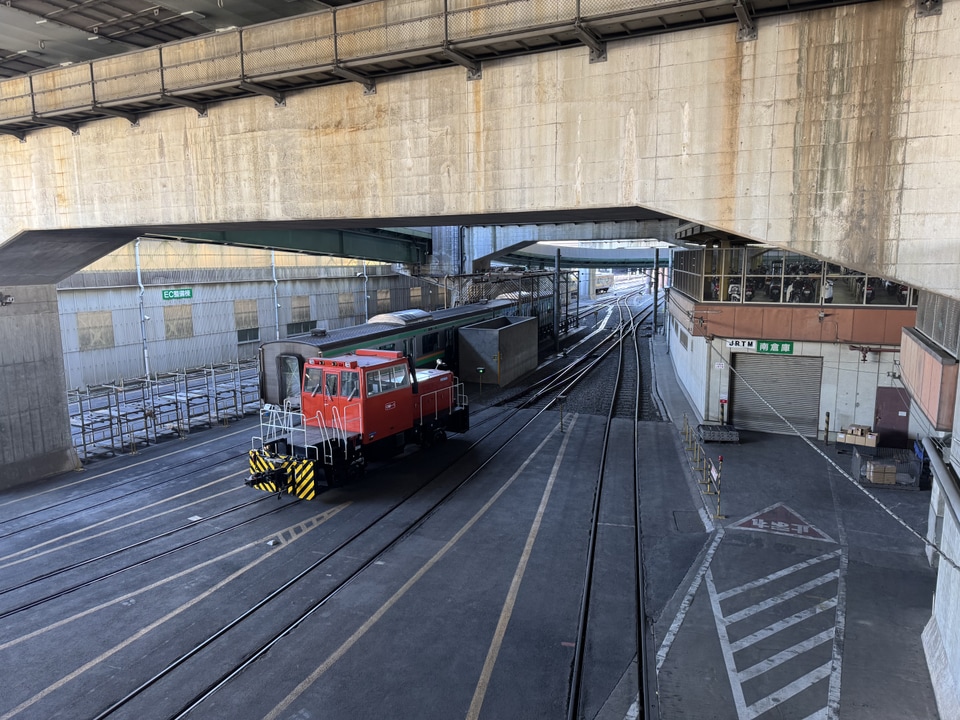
x=283 y=474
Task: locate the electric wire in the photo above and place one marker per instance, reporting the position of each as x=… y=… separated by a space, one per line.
x=852 y=480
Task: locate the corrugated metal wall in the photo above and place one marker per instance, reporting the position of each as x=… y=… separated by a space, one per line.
x=215 y=278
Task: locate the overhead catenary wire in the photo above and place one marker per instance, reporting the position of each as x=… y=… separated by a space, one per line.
x=843 y=473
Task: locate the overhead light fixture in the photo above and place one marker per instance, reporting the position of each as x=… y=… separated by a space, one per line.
x=41 y=21
x=226 y=29
x=193 y=15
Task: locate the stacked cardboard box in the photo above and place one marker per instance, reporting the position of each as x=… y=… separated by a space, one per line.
x=858 y=435
x=881 y=473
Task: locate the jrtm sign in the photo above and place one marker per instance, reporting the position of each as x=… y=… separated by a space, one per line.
x=775 y=347
x=178 y=294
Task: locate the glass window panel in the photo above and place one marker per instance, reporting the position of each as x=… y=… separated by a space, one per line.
x=95 y=330
x=177 y=322
x=245 y=314
x=300 y=308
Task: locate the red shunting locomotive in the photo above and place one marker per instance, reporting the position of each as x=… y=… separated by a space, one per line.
x=353 y=407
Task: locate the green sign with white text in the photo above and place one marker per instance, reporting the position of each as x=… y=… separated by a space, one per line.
x=775 y=347
x=179 y=294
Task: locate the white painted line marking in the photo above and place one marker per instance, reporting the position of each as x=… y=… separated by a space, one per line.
x=319 y=519
x=687 y=600
x=820 y=714
x=776 y=627
x=788 y=691
x=60 y=545
x=123 y=468
x=484 y=682
x=777 y=575
x=735 y=687
x=305 y=684
x=833 y=694
x=788 y=654
x=781 y=598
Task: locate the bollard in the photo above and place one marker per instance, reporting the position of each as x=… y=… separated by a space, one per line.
x=826 y=430
x=718 y=516
x=710 y=477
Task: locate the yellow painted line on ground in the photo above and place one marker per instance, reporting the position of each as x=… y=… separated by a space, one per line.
x=287 y=536
x=119 y=469
x=363 y=629
x=60 y=538
x=484 y=683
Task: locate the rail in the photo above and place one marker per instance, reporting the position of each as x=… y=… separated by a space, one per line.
x=351 y=43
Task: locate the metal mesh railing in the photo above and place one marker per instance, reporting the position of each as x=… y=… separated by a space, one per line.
x=363 y=31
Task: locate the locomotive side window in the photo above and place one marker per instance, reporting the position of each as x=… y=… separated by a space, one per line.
x=351 y=385
x=331 y=381
x=312 y=380
x=288 y=369
x=387 y=379
x=431 y=343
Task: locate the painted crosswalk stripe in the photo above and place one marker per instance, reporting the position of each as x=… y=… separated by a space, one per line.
x=777 y=575
x=787 y=638
x=788 y=691
x=788 y=654
x=782 y=597
x=776 y=627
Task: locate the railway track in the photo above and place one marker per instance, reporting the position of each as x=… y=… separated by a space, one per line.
x=356 y=551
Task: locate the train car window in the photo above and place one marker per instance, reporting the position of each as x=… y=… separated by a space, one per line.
x=288 y=368
x=331 y=380
x=430 y=343
x=388 y=346
x=312 y=379
x=350 y=386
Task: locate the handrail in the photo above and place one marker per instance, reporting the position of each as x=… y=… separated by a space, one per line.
x=326 y=40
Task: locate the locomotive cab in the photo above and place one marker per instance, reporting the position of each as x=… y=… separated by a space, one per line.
x=351 y=407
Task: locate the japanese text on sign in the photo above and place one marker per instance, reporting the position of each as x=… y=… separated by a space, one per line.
x=178 y=294
x=775 y=347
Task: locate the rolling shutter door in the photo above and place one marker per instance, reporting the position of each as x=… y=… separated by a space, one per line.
x=791 y=384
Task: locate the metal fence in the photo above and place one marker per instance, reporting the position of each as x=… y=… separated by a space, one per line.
x=121 y=417
x=285 y=48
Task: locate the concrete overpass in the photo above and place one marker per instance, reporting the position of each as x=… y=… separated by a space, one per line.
x=830 y=133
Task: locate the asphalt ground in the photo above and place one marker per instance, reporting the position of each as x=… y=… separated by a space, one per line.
x=112 y=574
x=806 y=600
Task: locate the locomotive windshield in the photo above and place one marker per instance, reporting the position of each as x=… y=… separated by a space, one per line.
x=288 y=370
x=387 y=379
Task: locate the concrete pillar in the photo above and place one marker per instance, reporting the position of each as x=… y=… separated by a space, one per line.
x=34 y=421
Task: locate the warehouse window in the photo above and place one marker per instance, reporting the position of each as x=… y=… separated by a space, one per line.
x=95 y=330
x=177 y=322
x=247 y=320
x=301 y=321
x=300 y=308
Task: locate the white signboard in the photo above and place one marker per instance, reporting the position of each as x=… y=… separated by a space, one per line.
x=742 y=344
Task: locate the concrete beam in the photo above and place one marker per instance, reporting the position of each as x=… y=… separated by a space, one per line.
x=383 y=245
